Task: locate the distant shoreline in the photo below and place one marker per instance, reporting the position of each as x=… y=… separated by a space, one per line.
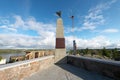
x=7 y=51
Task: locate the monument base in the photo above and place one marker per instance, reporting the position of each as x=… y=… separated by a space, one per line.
x=60 y=56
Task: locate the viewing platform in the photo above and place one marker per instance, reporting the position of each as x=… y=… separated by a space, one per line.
x=76 y=68
x=65 y=72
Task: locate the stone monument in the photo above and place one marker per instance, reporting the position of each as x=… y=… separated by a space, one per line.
x=60 y=50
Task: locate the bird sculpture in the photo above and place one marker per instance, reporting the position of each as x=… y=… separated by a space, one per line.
x=58 y=13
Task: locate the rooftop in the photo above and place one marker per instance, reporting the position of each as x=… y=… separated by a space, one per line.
x=65 y=72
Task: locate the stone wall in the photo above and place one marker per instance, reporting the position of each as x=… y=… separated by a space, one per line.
x=105 y=67
x=19 y=70
x=36 y=54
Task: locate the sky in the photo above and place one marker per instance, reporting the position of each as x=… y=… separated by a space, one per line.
x=32 y=23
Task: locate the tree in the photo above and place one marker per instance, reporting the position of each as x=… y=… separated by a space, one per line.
x=82 y=52
x=92 y=52
x=105 y=52
x=115 y=54
x=78 y=51
x=70 y=51
x=86 y=51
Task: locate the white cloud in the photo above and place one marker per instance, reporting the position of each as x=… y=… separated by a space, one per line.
x=25 y=41
x=96 y=42
x=110 y=31
x=94 y=18
x=18 y=21
x=7 y=29
x=4 y=20
x=45 y=38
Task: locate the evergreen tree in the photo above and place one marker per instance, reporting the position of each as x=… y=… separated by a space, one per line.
x=115 y=54
x=86 y=51
x=105 y=52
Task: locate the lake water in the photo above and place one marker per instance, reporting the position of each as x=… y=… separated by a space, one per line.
x=7 y=55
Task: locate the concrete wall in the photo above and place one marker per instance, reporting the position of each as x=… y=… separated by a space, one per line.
x=105 y=67
x=19 y=70
x=60 y=56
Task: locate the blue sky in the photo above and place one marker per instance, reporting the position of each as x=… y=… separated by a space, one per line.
x=32 y=23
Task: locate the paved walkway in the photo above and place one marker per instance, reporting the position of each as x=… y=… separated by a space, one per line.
x=65 y=72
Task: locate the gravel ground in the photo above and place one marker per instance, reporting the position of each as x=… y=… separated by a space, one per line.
x=65 y=72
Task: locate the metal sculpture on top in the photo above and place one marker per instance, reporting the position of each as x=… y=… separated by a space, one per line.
x=74 y=42
x=58 y=13
x=72 y=17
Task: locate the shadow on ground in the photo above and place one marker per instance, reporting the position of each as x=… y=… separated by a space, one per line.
x=81 y=73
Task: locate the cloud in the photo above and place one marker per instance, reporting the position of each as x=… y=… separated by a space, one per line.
x=4 y=20
x=45 y=37
x=17 y=37
x=7 y=29
x=93 y=20
x=25 y=41
x=110 y=31
x=18 y=22
x=96 y=42
x=95 y=16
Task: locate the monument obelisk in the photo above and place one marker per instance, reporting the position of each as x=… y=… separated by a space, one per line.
x=60 y=50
